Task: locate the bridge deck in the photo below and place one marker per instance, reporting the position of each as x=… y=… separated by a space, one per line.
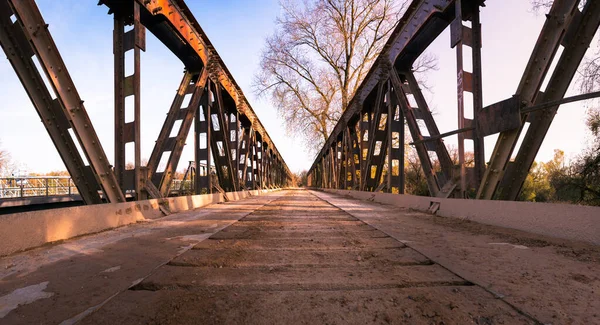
x=303 y=257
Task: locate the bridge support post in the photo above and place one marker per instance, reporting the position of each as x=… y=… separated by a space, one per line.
x=395 y=174
x=128 y=87
x=468 y=82
x=202 y=139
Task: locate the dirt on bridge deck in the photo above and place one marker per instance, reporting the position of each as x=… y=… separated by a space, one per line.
x=302 y=257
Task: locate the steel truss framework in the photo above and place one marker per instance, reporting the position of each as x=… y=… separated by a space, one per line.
x=228 y=133
x=365 y=151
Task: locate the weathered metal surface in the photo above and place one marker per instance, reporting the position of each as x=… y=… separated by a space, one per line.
x=33 y=27
x=217 y=116
x=50 y=110
x=499 y=117
x=557 y=22
x=126 y=86
x=540 y=121
x=424 y=21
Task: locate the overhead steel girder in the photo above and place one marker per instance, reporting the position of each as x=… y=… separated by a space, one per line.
x=29 y=36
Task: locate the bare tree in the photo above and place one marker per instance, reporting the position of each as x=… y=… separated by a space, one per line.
x=4 y=160
x=319 y=53
x=541 y=5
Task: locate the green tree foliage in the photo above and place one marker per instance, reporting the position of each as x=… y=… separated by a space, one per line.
x=580 y=182
x=538 y=185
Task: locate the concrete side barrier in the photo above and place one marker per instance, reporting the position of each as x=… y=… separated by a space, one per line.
x=21 y=231
x=566 y=221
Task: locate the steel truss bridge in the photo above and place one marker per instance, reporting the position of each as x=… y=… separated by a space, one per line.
x=227 y=132
x=288 y=256
x=365 y=151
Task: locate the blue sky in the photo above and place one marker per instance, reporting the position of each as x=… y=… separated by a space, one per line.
x=83 y=33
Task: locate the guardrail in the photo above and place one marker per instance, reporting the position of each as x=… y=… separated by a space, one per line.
x=44 y=186
x=19 y=187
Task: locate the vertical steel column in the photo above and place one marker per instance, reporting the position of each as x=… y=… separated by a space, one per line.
x=468 y=82
x=335 y=164
x=243 y=156
x=355 y=143
x=234 y=141
x=323 y=171
x=29 y=36
x=341 y=163
x=254 y=162
x=125 y=86
x=346 y=153
x=220 y=141
x=332 y=167
x=478 y=139
x=202 y=140
x=259 y=162
x=270 y=169
x=395 y=177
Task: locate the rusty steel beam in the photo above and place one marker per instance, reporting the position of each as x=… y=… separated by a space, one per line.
x=224 y=163
x=244 y=153
x=224 y=107
x=395 y=150
x=172 y=23
x=468 y=81
x=202 y=148
x=51 y=112
x=192 y=85
x=433 y=183
x=552 y=34
x=404 y=46
x=581 y=32
x=72 y=110
x=424 y=20
x=126 y=86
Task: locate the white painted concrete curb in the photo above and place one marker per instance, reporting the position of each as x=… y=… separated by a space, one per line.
x=566 y=221
x=21 y=231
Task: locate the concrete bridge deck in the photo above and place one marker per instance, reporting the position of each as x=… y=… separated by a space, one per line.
x=299 y=257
